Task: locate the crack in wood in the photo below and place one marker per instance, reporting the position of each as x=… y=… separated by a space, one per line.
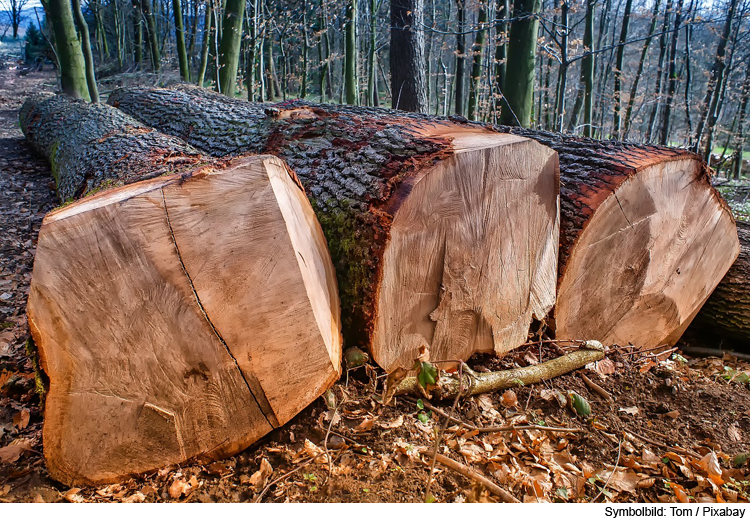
x=252 y=383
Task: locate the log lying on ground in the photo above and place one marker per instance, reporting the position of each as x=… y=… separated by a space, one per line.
x=645 y=238
x=725 y=318
x=177 y=317
x=444 y=234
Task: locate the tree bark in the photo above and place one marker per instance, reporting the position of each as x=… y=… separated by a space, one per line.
x=407 y=56
x=618 y=68
x=229 y=49
x=171 y=328
x=460 y=57
x=639 y=72
x=587 y=69
x=672 y=84
x=477 y=54
x=636 y=223
x=521 y=60
x=153 y=39
x=137 y=34
x=88 y=58
x=179 y=34
x=208 y=28
x=725 y=318
x=408 y=278
x=68 y=46
x=502 y=13
x=350 y=54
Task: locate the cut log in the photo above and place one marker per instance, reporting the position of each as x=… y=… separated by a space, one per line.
x=645 y=238
x=179 y=317
x=91 y=147
x=725 y=318
x=444 y=234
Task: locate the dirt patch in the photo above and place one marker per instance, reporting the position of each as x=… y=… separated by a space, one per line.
x=675 y=429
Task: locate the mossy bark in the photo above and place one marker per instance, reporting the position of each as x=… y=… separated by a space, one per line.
x=69 y=52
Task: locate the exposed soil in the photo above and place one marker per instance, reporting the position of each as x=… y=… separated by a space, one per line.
x=677 y=429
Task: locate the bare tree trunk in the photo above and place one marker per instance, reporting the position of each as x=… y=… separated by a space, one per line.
x=460 y=57
x=618 y=68
x=641 y=63
x=68 y=47
x=672 y=85
x=660 y=72
x=502 y=13
x=88 y=58
x=137 y=34
x=372 y=74
x=710 y=102
x=407 y=56
x=208 y=28
x=521 y=61
x=477 y=52
x=350 y=55
x=562 y=74
x=740 y=138
x=179 y=34
x=153 y=41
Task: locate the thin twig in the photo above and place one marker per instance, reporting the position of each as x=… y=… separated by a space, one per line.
x=662 y=445
x=442 y=430
x=599 y=390
x=491 y=486
x=274 y=482
x=614 y=469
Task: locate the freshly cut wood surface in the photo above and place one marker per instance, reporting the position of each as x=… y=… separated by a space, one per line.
x=444 y=234
x=725 y=318
x=644 y=240
x=177 y=317
x=180 y=318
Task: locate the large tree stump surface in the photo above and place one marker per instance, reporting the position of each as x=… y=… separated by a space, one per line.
x=490 y=195
x=645 y=238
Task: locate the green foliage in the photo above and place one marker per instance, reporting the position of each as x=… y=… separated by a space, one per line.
x=427 y=374
x=579 y=404
x=37 y=48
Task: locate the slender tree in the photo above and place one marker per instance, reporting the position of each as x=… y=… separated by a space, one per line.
x=407 y=56
x=68 y=46
x=153 y=38
x=179 y=34
x=229 y=48
x=460 y=56
x=88 y=57
x=477 y=54
x=350 y=54
x=641 y=64
x=619 y=67
x=208 y=29
x=521 y=59
x=672 y=83
x=502 y=13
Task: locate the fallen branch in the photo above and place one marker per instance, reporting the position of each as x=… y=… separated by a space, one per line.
x=708 y=352
x=596 y=388
x=475 y=384
x=494 y=488
x=662 y=445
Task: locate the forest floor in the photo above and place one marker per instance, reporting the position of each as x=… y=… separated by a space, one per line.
x=672 y=429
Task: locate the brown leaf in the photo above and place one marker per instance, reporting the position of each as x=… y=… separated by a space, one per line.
x=672 y=414
x=391 y=383
x=397 y=423
x=21 y=419
x=182 y=488
x=645 y=483
x=509 y=399
x=633 y=410
x=72 y=496
x=604 y=367
x=365 y=425
x=259 y=478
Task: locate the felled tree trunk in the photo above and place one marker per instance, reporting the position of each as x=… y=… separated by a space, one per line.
x=725 y=317
x=644 y=240
x=177 y=317
x=444 y=234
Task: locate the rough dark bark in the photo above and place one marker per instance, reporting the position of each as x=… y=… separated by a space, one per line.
x=593 y=172
x=407 y=56
x=726 y=315
x=91 y=146
x=355 y=163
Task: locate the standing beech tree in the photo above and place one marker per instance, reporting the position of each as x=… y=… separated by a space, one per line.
x=407 y=56
x=229 y=48
x=522 y=44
